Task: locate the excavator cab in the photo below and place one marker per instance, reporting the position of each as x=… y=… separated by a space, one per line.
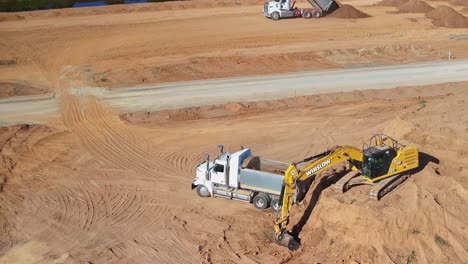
x=377 y=160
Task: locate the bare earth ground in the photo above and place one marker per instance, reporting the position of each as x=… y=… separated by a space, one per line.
x=91 y=188
x=96 y=187
x=119 y=46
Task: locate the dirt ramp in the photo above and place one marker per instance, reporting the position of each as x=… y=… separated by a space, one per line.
x=415 y=6
x=16 y=88
x=459 y=2
x=348 y=12
x=10 y=17
x=444 y=16
x=392 y=2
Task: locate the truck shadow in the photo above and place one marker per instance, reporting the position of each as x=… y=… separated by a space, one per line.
x=327 y=181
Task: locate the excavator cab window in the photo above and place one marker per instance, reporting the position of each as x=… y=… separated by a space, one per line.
x=376 y=161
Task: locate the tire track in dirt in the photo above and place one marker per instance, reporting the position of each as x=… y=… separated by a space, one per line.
x=182 y=161
x=81 y=208
x=107 y=138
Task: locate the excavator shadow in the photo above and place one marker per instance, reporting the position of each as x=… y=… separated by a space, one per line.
x=425 y=159
x=323 y=183
x=327 y=181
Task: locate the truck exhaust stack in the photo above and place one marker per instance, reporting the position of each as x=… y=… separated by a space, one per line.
x=207 y=172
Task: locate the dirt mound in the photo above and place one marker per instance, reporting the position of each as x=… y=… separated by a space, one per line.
x=444 y=16
x=9 y=89
x=392 y=2
x=235 y=107
x=183 y=115
x=459 y=2
x=348 y=11
x=415 y=6
x=10 y=17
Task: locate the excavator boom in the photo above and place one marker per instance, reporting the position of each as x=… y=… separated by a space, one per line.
x=316 y=164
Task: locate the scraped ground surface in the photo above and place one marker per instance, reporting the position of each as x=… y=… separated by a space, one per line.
x=91 y=187
x=97 y=186
x=119 y=46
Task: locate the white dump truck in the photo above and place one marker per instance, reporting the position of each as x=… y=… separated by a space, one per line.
x=241 y=176
x=278 y=9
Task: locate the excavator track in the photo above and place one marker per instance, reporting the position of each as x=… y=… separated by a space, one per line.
x=342 y=184
x=383 y=187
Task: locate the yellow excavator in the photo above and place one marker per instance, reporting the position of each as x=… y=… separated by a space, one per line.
x=384 y=163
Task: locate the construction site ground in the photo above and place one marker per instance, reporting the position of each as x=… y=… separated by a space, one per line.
x=95 y=185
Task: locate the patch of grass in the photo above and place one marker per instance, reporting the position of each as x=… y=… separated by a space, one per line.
x=440 y=241
x=407 y=259
x=8 y=61
x=411 y=258
x=104 y=79
x=415 y=231
x=423 y=104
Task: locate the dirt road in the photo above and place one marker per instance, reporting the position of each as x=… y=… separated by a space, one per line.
x=245 y=89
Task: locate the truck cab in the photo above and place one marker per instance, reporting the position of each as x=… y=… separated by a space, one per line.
x=217 y=170
x=241 y=176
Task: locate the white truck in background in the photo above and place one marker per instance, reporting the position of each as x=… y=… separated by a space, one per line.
x=241 y=176
x=278 y=9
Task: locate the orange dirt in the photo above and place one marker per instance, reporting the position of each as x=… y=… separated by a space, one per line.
x=444 y=16
x=9 y=89
x=415 y=6
x=97 y=186
x=92 y=188
x=348 y=11
x=120 y=46
x=392 y=2
x=459 y=2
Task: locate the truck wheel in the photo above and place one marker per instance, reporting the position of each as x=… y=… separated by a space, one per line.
x=306 y=14
x=316 y=14
x=275 y=204
x=203 y=191
x=275 y=16
x=261 y=201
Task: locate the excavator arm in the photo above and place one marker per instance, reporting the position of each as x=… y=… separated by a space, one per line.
x=316 y=163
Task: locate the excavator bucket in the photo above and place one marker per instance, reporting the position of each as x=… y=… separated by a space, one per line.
x=288 y=241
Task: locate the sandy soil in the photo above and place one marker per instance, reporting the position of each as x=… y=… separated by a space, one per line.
x=119 y=46
x=91 y=187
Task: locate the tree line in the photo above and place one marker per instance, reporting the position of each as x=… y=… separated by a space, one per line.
x=28 y=5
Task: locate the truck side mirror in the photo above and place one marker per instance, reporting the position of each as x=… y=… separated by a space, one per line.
x=221 y=148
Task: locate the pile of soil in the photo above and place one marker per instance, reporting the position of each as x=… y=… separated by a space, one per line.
x=10 y=17
x=10 y=88
x=392 y=2
x=459 y=2
x=415 y=6
x=444 y=16
x=348 y=11
x=183 y=115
